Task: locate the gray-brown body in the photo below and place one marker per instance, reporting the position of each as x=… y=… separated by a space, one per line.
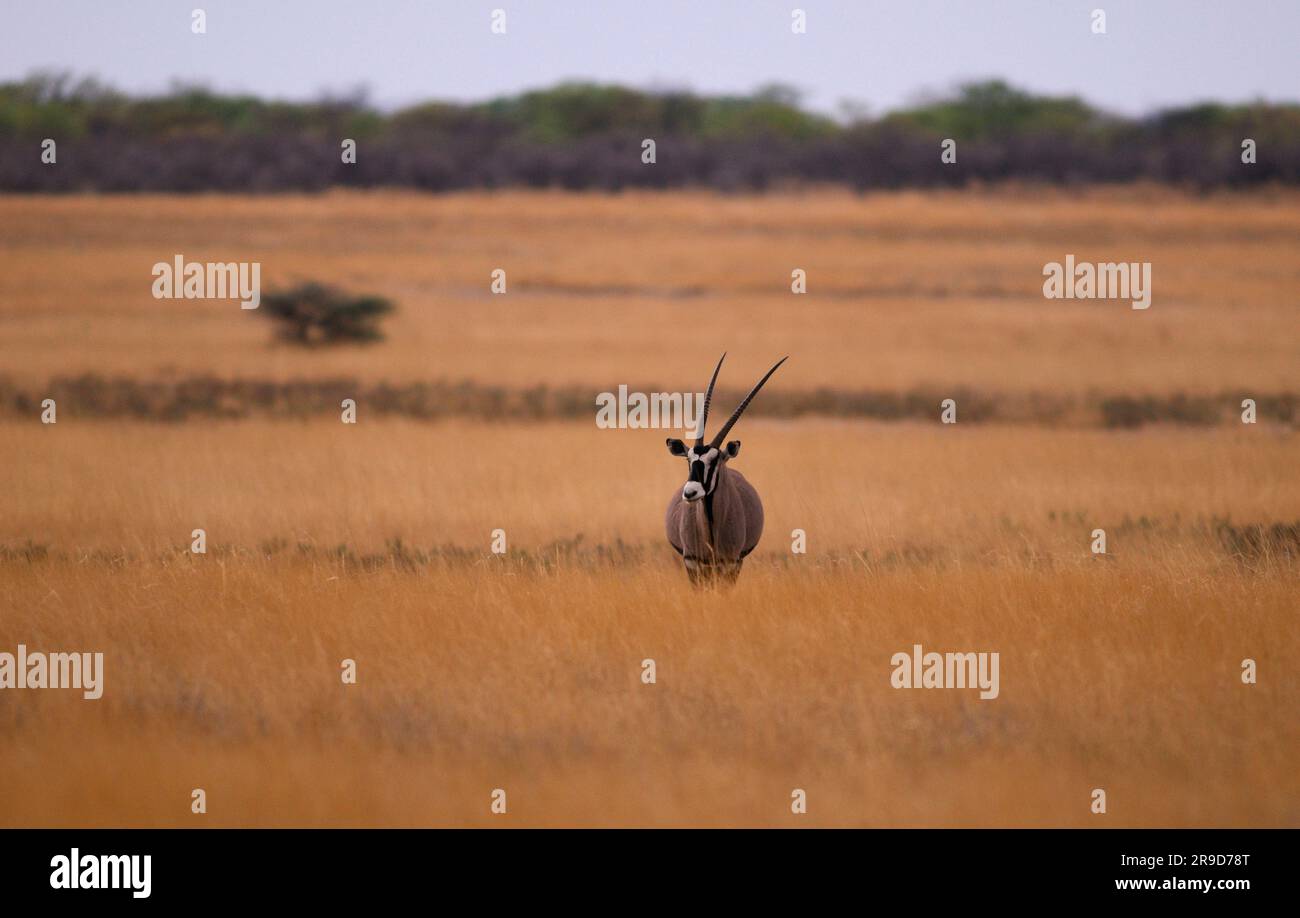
x=713 y=535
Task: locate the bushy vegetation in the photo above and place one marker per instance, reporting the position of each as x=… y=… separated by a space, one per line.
x=313 y=313
x=1256 y=542
x=581 y=135
x=210 y=395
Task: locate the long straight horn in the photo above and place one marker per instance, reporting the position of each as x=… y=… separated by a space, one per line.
x=735 y=415
x=708 y=397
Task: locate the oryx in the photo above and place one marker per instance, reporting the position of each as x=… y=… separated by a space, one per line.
x=716 y=518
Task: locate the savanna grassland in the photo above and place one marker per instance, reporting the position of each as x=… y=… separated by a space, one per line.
x=371 y=541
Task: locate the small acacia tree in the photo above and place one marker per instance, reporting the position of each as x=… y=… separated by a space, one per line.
x=313 y=313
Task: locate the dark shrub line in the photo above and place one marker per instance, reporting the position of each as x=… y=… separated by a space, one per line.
x=94 y=396
x=581 y=136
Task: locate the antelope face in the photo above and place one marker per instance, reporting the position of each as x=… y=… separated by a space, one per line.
x=704 y=464
x=704 y=461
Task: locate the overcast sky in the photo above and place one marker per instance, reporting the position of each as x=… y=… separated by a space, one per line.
x=879 y=54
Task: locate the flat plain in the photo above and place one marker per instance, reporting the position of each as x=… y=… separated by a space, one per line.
x=371 y=542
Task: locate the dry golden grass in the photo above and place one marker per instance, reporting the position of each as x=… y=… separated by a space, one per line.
x=905 y=289
x=223 y=675
x=945 y=491
x=371 y=542
x=222 y=671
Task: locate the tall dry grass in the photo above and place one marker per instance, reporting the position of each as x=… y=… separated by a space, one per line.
x=947 y=491
x=371 y=542
x=223 y=674
x=523 y=673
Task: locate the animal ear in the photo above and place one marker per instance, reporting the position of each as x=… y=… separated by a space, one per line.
x=676 y=447
x=733 y=449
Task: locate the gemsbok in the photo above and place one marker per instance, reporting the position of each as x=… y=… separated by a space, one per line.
x=716 y=519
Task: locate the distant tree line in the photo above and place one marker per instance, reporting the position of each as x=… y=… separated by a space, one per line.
x=583 y=136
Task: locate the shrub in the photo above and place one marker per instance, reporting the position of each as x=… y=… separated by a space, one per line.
x=1255 y=541
x=313 y=313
